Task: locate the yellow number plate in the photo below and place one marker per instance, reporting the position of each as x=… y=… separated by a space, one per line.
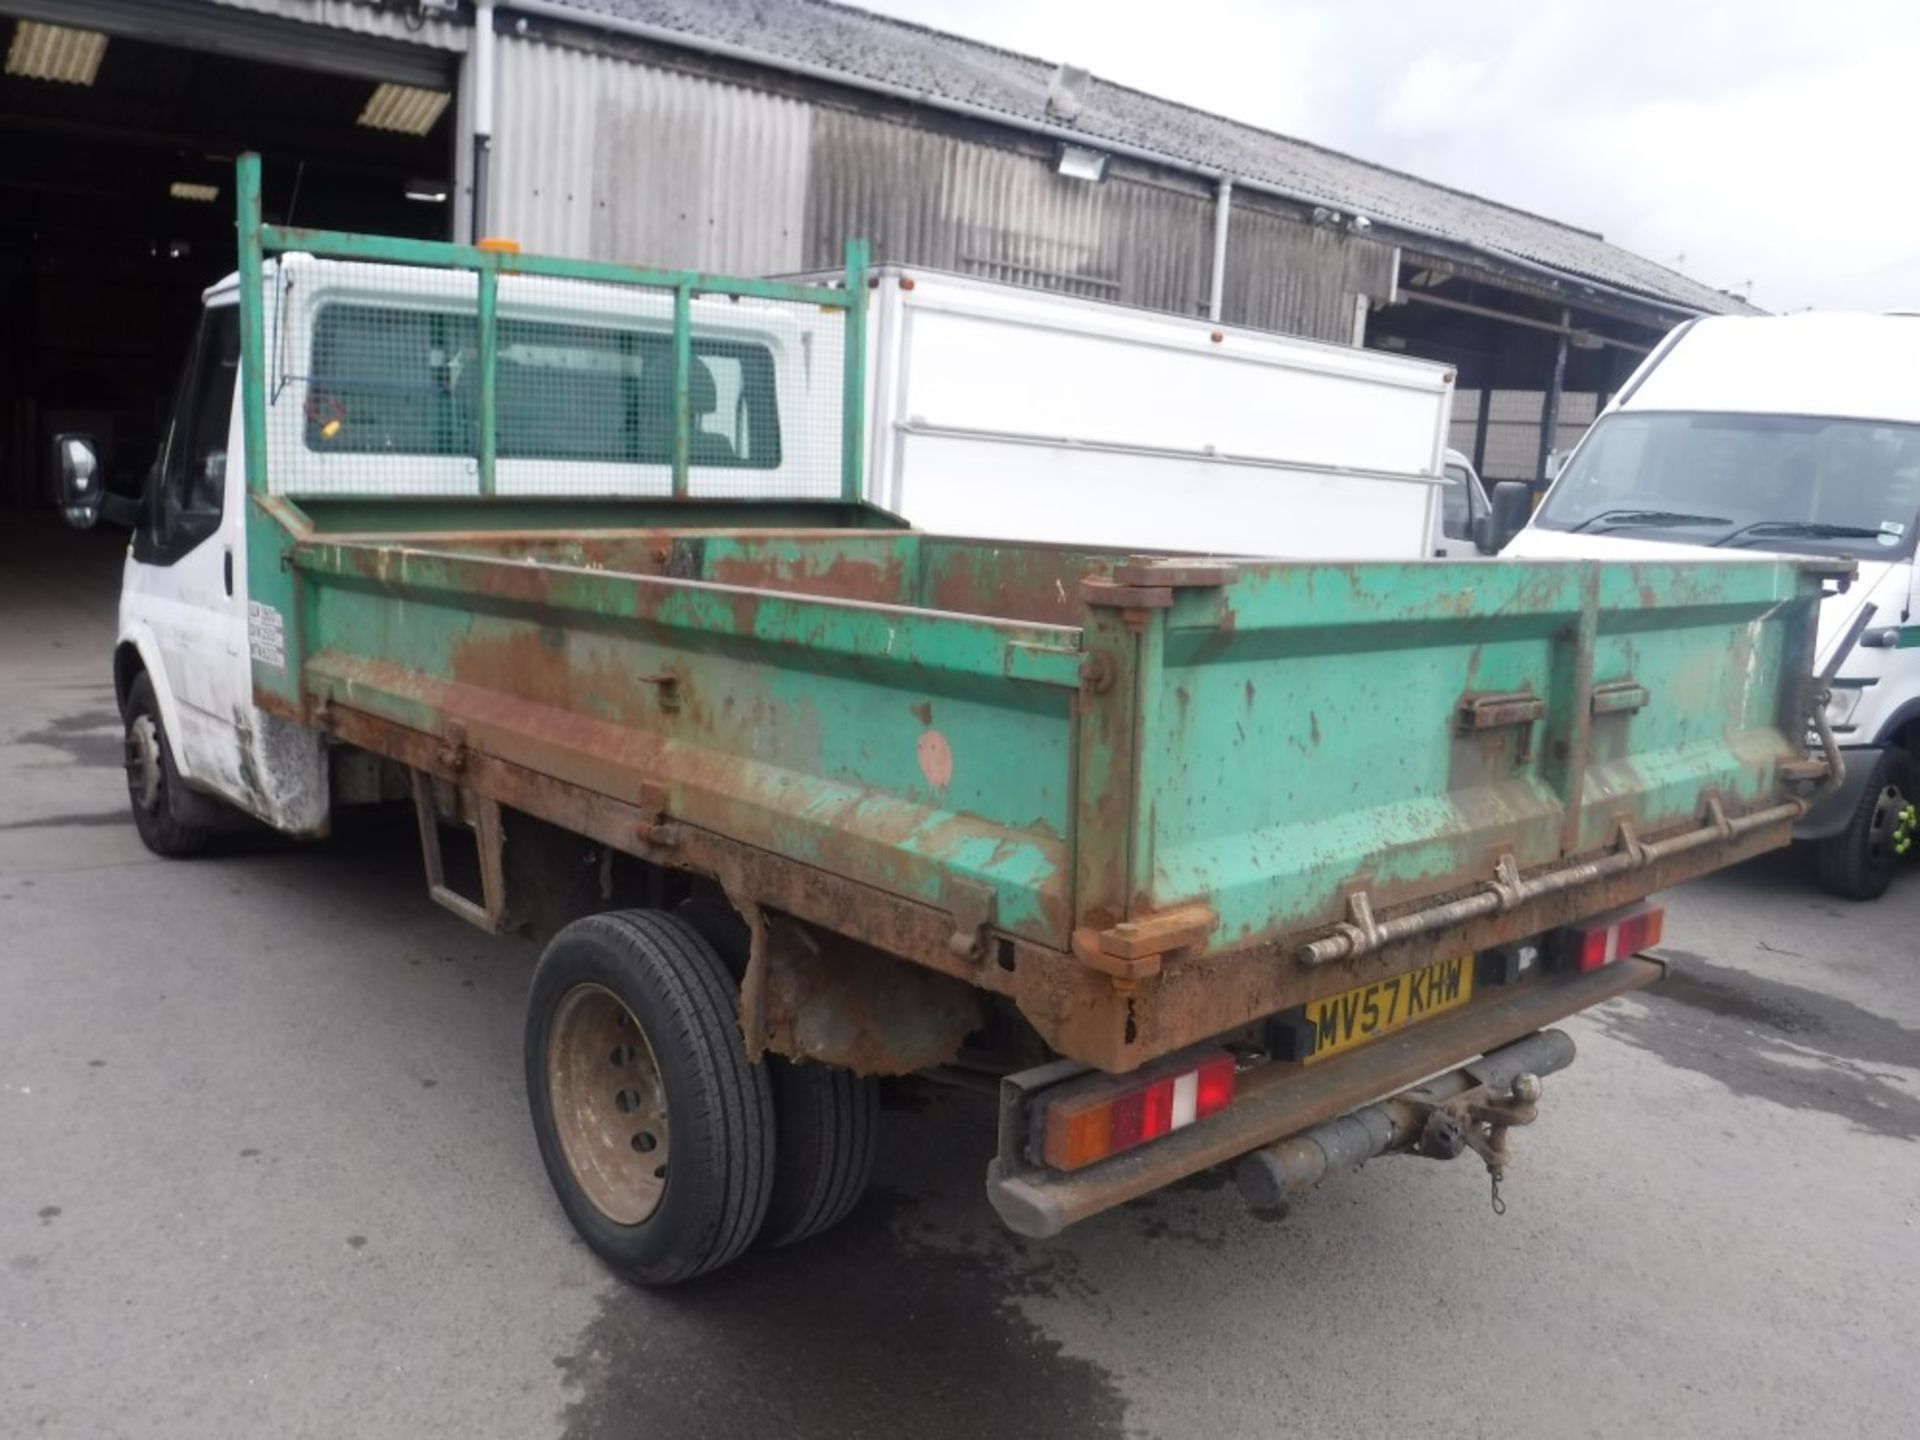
x=1353 y=1017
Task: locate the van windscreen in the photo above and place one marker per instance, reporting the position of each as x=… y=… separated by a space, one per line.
x=1794 y=483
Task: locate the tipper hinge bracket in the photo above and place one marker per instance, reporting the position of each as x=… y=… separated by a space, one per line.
x=1145 y=582
x=1134 y=950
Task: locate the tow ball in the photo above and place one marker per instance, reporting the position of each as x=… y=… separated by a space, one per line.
x=1472 y=1108
x=1476 y=1121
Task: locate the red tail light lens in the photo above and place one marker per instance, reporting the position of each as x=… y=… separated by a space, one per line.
x=1606 y=938
x=1103 y=1115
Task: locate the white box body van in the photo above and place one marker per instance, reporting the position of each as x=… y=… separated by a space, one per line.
x=1797 y=434
x=1010 y=413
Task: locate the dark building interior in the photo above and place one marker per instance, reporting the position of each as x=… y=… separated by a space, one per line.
x=117 y=210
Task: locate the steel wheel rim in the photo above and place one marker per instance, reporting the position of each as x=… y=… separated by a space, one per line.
x=609 y=1103
x=145 y=781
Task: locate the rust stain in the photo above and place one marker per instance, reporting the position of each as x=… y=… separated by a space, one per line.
x=936 y=759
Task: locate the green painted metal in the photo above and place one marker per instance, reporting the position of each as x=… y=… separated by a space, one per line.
x=390 y=514
x=881 y=742
x=1264 y=747
x=853 y=386
x=253 y=345
x=1304 y=736
x=393 y=250
x=272 y=588
x=487 y=326
x=682 y=386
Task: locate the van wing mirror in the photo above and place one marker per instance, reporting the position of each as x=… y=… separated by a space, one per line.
x=1512 y=505
x=82 y=486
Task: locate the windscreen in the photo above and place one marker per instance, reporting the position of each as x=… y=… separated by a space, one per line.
x=1791 y=483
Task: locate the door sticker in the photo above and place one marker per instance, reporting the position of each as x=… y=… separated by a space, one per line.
x=267 y=635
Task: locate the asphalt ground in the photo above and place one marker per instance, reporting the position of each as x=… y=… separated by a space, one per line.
x=265 y=1169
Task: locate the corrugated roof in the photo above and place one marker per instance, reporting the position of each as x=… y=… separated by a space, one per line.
x=862 y=45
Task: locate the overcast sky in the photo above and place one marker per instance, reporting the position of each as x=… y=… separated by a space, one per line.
x=1767 y=146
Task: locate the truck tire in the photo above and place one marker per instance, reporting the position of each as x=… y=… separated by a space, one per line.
x=827 y=1117
x=1858 y=863
x=657 y=1134
x=154 y=788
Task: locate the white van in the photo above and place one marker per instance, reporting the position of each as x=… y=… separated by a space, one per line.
x=1797 y=434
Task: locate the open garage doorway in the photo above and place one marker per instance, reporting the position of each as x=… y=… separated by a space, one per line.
x=117 y=205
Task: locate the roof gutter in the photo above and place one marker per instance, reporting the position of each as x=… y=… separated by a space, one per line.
x=726 y=50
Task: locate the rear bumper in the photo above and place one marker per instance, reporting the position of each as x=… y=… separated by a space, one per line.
x=1279 y=1100
x=1829 y=817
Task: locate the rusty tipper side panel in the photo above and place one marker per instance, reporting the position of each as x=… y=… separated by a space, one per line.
x=1206 y=802
x=908 y=751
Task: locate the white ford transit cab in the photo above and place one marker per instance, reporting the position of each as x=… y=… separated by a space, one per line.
x=1795 y=434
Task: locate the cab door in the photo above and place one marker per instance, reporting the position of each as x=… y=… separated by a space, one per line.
x=182 y=584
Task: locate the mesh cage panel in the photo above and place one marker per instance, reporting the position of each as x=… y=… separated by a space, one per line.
x=376 y=385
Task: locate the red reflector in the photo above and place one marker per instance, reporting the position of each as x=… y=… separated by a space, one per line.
x=1216 y=1086
x=1593 y=949
x=1607 y=938
x=1090 y=1119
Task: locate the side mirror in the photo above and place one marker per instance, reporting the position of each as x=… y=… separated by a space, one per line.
x=1512 y=505
x=82 y=487
x=1556 y=462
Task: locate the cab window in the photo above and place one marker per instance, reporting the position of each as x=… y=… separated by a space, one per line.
x=186 y=491
x=387 y=380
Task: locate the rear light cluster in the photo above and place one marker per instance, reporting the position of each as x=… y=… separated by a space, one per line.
x=1606 y=938
x=1091 y=1119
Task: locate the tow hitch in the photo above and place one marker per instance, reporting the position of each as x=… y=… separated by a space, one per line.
x=1471 y=1108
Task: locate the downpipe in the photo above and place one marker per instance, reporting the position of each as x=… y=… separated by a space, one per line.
x=1466 y=1109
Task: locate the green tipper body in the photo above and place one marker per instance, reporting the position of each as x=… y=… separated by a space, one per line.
x=906 y=711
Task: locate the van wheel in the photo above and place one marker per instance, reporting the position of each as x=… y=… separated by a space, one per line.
x=827 y=1117
x=1858 y=863
x=657 y=1134
x=153 y=784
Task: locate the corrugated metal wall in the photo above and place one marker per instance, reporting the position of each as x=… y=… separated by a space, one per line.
x=360 y=19
x=596 y=156
x=603 y=156
x=926 y=198
x=1283 y=274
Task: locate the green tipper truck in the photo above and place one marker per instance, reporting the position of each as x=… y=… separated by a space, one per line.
x=1196 y=861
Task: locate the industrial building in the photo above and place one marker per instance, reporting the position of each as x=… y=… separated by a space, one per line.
x=746 y=137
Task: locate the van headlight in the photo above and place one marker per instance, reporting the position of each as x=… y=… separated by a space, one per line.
x=1841 y=704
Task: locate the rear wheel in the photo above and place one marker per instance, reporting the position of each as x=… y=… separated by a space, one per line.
x=657 y=1134
x=829 y=1120
x=1859 y=862
x=153 y=784
x=828 y=1117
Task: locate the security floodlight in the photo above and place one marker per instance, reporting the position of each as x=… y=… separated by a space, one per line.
x=1081 y=162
